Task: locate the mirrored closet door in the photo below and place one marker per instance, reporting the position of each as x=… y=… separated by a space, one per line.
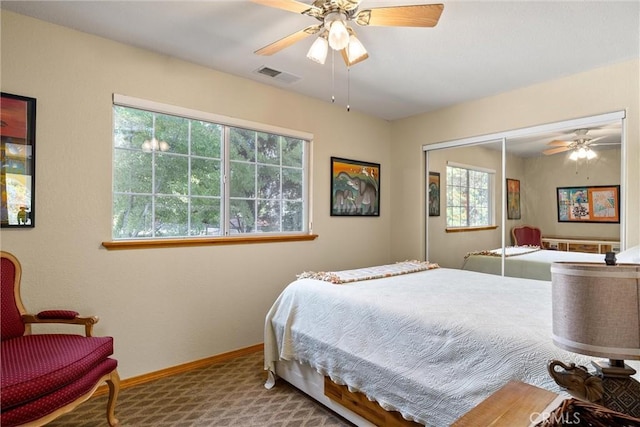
x=527 y=172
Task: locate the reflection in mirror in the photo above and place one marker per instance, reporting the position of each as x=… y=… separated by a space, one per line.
x=536 y=164
x=470 y=194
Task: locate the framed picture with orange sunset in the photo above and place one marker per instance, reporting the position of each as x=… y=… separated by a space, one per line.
x=17 y=153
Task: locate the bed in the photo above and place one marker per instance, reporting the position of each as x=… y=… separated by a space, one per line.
x=531 y=262
x=428 y=344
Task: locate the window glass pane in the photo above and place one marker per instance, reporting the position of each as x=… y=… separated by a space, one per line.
x=132 y=171
x=268 y=216
x=172 y=133
x=206 y=217
x=268 y=182
x=292 y=216
x=242 y=218
x=242 y=144
x=293 y=152
x=292 y=184
x=206 y=139
x=132 y=216
x=205 y=177
x=172 y=174
x=243 y=180
x=131 y=127
x=171 y=216
x=268 y=148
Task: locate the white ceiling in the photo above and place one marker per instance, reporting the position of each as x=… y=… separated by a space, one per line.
x=478 y=49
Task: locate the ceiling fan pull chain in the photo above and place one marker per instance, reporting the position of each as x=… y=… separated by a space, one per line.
x=333 y=76
x=348 y=88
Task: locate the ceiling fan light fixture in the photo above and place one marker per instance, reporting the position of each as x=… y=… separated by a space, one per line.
x=582 y=153
x=338 y=33
x=573 y=156
x=355 y=50
x=318 y=50
x=591 y=154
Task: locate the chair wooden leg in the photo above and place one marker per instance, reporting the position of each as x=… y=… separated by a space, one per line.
x=114 y=388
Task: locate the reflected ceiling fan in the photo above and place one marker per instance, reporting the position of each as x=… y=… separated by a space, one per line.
x=334 y=30
x=580 y=145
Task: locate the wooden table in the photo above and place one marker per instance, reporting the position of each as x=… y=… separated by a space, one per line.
x=516 y=404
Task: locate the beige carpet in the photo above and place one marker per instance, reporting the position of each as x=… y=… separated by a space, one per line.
x=225 y=394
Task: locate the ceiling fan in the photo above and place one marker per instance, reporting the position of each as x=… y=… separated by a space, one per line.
x=334 y=30
x=581 y=145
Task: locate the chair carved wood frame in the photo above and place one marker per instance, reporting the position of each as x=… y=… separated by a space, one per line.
x=47 y=375
x=526 y=235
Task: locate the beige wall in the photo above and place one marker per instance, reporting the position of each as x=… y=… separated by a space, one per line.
x=594 y=92
x=165 y=306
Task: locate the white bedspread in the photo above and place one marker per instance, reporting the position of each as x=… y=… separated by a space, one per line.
x=431 y=344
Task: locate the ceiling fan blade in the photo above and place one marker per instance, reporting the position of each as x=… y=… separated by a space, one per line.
x=555 y=150
x=559 y=143
x=425 y=15
x=345 y=57
x=288 y=41
x=290 y=5
x=348 y=4
x=592 y=140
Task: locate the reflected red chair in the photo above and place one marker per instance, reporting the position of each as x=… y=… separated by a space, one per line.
x=44 y=376
x=526 y=235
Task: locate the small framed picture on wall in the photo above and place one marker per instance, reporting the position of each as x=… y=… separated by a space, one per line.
x=433 y=186
x=513 y=199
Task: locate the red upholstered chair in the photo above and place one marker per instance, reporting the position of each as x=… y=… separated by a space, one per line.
x=526 y=235
x=46 y=375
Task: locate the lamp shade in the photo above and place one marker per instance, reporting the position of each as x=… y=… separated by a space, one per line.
x=596 y=309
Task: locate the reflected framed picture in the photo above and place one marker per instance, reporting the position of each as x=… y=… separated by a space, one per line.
x=589 y=204
x=355 y=188
x=17 y=159
x=513 y=199
x=433 y=186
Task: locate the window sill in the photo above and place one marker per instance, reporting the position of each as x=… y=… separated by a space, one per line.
x=209 y=241
x=464 y=229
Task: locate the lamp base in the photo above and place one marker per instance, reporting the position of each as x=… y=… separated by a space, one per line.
x=613 y=368
x=577 y=381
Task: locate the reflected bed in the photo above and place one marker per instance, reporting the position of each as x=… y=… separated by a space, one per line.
x=527 y=262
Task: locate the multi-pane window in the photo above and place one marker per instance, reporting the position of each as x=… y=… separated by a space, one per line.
x=179 y=176
x=469 y=196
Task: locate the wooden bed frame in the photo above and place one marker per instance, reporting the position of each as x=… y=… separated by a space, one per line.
x=353 y=406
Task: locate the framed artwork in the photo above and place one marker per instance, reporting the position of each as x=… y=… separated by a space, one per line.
x=589 y=204
x=355 y=188
x=17 y=159
x=433 y=186
x=513 y=198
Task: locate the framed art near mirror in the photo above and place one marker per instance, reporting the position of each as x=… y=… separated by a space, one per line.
x=513 y=198
x=17 y=151
x=434 y=193
x=598 y=203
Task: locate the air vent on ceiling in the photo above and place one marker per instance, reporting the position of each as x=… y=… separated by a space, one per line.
x=278 y=75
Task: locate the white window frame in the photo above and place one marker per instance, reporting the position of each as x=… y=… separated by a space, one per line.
x=156 y=107
x=492 y=195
